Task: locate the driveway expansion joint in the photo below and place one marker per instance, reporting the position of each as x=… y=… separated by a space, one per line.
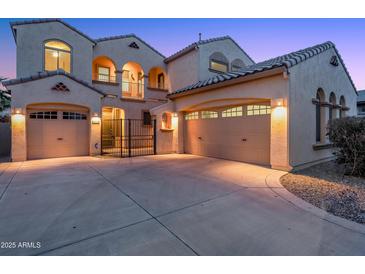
x=138 y=204
x=11 y=180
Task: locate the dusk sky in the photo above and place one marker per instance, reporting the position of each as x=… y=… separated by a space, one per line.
x=260 y=38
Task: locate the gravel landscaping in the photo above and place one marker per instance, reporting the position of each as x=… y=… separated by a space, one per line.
x=326 y=187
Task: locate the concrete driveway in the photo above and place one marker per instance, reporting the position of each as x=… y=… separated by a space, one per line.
x=160 y=205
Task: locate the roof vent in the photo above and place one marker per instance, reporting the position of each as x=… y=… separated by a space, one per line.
x=61 y=87
x=134 y=45
x=334 y=61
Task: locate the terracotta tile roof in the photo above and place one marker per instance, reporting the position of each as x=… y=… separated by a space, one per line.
x=40 y=21
x=131 y=35
x=287 y=60
x=202 y=42
x=47 y=74
x=95 y=41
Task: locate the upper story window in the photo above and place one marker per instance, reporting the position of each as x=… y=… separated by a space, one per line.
x=237 y=64
x=218 y=62
x=57 y=55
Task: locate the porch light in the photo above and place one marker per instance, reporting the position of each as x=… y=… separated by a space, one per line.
x=17 y=111
x=279 y=102
x=174 y=114
x=55 y=54
x=95 y=120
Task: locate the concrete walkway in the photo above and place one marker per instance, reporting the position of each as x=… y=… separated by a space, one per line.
x=161 y=205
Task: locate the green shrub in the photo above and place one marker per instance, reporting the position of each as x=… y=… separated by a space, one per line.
x=348 y=138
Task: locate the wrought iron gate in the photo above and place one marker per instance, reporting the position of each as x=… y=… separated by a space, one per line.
x=128 y=137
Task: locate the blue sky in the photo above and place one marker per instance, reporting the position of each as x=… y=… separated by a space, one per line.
x=260 y=38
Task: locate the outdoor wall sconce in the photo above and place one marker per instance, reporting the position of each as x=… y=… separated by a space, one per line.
x=279 y=102
x=17 y=111
x=95 y=120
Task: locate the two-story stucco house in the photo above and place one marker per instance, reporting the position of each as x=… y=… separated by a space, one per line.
x=75 y=95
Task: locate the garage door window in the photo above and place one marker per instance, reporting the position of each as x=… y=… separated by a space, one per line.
x=209 y=114
x=253 y=110
x=48 y=115
x=232 y=112
x=73 y=116
x=192 y=116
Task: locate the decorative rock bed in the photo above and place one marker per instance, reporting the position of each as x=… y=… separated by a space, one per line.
x=326 y=187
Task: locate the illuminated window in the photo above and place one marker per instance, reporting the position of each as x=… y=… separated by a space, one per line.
x=192 y=116
x=232 y=112
x=209 y=114
x=57 y=55
x=218 y=66
x=218 y=62
x=258 y=110
x=103 y=74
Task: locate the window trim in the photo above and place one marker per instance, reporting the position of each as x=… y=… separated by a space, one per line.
x=44 y=47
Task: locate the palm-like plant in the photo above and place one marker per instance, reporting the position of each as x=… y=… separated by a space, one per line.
x=4 y=96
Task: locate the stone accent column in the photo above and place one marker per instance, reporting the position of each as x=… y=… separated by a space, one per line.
x=18 y=138
x=95 y=135
x=180 y=137
x=279 y=139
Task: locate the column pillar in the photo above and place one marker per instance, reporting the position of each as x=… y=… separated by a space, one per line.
x=279 y=139
x=18 y=135
x=180 y=137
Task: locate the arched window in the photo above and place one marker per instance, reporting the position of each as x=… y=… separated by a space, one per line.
x=332 y=108
x=343 y=107
x=218 y=62
x=237 y=64
x=320 y=123
x=57 y=55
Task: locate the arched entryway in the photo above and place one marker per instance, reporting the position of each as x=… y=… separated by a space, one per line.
x=57 y=130
x=112 y=129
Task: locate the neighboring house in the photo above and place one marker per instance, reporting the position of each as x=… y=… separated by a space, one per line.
x=361 y=103
x=208 y=99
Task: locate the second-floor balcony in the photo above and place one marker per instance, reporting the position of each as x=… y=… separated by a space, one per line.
x=132 y=90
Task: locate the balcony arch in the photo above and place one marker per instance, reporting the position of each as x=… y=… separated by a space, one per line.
x=343 y=107
x=103 y=70
x=332 y=111
x=132 y=81
x=320 y=116
x=157 y=79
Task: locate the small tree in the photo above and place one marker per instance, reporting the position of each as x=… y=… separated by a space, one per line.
x=348 y=137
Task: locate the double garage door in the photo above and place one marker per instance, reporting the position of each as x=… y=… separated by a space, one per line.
x=242 y=135
x=55 y=133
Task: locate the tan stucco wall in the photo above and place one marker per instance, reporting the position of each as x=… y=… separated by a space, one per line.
x=40 y=92
x=30 y=54
x=305 y=79
x=178 y=73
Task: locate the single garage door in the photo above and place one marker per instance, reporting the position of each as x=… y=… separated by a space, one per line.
x=55 y=133
x=239 y=133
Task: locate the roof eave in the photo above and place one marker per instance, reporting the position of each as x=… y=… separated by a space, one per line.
x=234 y=81
x=182 y=53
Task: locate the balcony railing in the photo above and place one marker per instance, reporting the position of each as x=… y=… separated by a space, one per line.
x=132 y=90
x=104 y=78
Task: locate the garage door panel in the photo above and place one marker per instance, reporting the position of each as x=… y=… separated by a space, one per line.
x=52 y=138
x=222 y=138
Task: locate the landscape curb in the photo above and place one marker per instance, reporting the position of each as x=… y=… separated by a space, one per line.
x=273 y=182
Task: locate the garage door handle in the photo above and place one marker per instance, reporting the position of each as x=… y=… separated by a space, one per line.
x=244 y=140
x=59 y=139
